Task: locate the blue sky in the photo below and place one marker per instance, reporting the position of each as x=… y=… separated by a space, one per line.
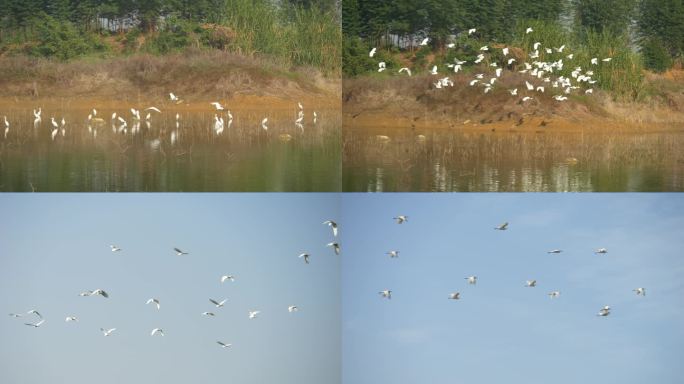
x=54 y=246
x=501 y=331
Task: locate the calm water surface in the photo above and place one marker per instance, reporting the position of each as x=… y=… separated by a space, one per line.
x=165 y=156
x=442 y=160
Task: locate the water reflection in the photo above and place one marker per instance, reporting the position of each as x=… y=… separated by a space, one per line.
x=166 y=153
x=440 y=160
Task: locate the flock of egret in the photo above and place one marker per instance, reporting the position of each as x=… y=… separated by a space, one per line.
x=540 y=72
x=251 y=314
x=472 y=280
x=120 y=124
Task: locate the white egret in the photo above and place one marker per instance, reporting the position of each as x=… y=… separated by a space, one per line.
x=335 y=246
x=425 y=41
x=208 y=314
x=455 y=296
x=594 y=61
x=382 y=66
x=217 y=303
x=254 y=314
x=305 y=256
x=484 y=48
x=227 y=277
x=36 y=325
x=471 y=31
x=157 y=330
x=386 y=294
x=7 y=125
x=505 y=51
x=434 y=70
x=71 y=318
x=640 y=291
x=155 y=301
x=292 y=308
x=526 y=98
x=400 y=219
x=263 y=123
x=511 y=61
x=529 y=30
x=531 y=283
x=555 y=251
x=332 y=225
x=115 y=248
x=529 y=86
x=513 y=92
x=554 y=294
x=372 y=52
x=601 y=250
x=179 y=252
x=498 y=72
x=472 y=280
x=607 y=59
x=223 y=345
x=107 y=332
x=393 y=254
x=217 y=105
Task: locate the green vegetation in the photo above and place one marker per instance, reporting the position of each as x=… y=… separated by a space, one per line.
x=289 y=32
x=636 y=34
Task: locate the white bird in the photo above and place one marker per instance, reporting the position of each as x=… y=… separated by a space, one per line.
x=531 y=283
x=589 y=91
x=511 y=61
x=382 y=66
x=404 y=69
x=372 y=52
x=217 y=105
x=223 y=345
x=227 y=277
x=473 y=82
x=7 y=125
x=451 y=45
x=107 y=332
x=640 y=291
x=484 y=48
x=526 y=98
x=472 y=280
x=292 y=308
x=155 y=301
x=513 y=92
x=601 y=250
x=425 y=41
x=157 y=330
x=400 y=219
x=502 y=227
x=505 y=51
x=471 y=31
x=208 y=314
x=37 y=119
x=179 y=252
x=253 y=314
x=529 y=86
x=498 y=72
x=605 y=311
x=36 y=325
x=115 y=248
x=528 y=30
x=263 y=123
x=434 y=70
x=218 y=304
x=97 y=292
x=335 y=246
x=332 y=225
x=16 y=314
x=173 y=97
x=71 y=318
x=554 y=294
x=540 y=89
x=393 y=254
x=153 y=109
x=607 y=59
x=555 y=251
x=536 y=45
x=455 y=296
x=594 y=61
x=386 y=294
x=305 y=256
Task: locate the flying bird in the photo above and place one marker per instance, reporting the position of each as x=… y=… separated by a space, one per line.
x=36 y=325
x=555 y=251
x=332 y=225
x=386 y=294
x=425 y=41
x=601 y=250
x=227 y=277
x=115 y=248
x=157 y=330
x=208 y=314
x=179 y=252
x=218 y=304
x=471 y=280
x=400 y=219
x=554 y=294
x=605 y=311
x=455 y=296
x=107 y=332
x=393 y=254
x=531 y=283
x=223 y=345
x=305 y=256
x=253 y=314
x=640 y=291
x=155 y=301
x=292 y=308
x=336 y=247
x=502 y=227
x=217 y=105
x=71 y=318
x=372 y=52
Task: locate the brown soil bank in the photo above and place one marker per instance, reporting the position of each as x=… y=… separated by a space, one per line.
x=402 y=101
x=192 y=75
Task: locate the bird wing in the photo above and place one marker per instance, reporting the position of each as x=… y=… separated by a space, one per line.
x=214 y=301
x=103 y=293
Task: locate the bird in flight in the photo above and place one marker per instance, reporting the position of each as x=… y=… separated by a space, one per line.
x=601 y=250
x=217 y=105
x=223 y=345
x=471 y=280
x=157 y=330
x=115 y=248
x=155 y=301
x=502 y=227
x=332 y=225
x=218 y=304
x=36 y=325
x=336 y=247
x=554 y=294
x=605 y=311
x=531 y=283
x=555 y=251
x=107 y=332
x=292 y=308
x=227 y=277
x=208 y=314
x=455 y=296
x=179 y=252
x=97 y=292
x=71 y=318
x=393 y=254
x=640 y=291
x=386 y=294
x=305 y=256
x=400 y=219
x=253 y=314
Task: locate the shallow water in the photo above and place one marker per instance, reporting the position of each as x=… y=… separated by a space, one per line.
x=444 y=160
x=163 y=156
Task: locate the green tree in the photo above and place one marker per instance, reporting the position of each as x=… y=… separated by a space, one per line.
x=613 y=16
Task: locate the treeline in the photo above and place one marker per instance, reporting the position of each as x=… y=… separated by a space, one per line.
x=654 y=27
x=303 y=32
